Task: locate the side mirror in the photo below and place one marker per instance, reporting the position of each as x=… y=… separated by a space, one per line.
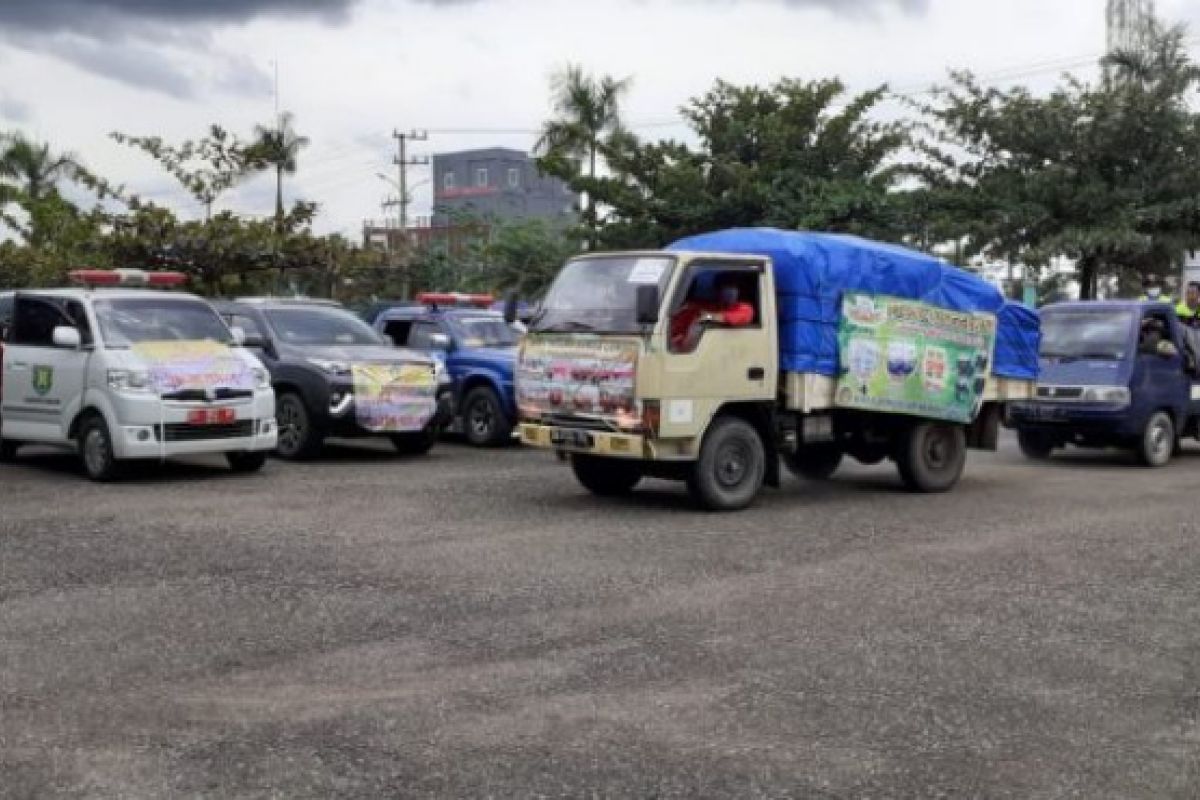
x=67 y=338
x=510 y=308
x=439 y=341
x=647 y=305
x=239 y=336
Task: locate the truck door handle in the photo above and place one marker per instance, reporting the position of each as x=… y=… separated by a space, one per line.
x=756 y=373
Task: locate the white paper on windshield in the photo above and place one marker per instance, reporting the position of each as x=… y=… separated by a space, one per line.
x=647 y=270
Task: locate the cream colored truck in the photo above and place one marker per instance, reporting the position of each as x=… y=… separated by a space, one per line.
x=600 y=382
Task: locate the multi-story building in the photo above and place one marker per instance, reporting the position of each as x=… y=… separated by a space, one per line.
x=497 y=184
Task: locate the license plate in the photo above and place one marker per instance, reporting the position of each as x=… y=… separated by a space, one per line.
x=211 y=416
x=565 y=437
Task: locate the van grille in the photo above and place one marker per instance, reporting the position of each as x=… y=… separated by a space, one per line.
x=199 y=396
x=183 y=432
x=1059 y=392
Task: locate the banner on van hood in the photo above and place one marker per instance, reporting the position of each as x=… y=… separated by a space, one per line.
x=394 y=398
x=183 y=366
x=907 y=357
x=577 y=374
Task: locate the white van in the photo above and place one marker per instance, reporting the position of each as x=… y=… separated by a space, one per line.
x=120 y=373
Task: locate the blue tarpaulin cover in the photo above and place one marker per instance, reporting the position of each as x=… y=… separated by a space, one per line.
x=812 y=270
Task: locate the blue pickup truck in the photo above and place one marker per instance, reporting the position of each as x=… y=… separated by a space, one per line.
x=1113 y=374
x=479 y=350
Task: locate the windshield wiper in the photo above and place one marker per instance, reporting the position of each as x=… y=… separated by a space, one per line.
x=566 y=326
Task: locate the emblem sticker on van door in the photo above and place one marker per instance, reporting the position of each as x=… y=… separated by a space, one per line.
x=43 y=379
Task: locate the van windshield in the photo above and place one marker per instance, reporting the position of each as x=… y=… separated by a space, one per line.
x=1098 y=334
x=599 y=295
x=129 y=321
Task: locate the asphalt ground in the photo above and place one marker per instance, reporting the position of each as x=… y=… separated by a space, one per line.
x=473 y=624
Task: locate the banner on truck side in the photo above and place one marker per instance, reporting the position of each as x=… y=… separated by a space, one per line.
x=906 y=357
x=394 y=398
x=184 y=366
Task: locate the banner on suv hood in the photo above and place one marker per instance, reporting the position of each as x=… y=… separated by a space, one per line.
x=577 y=374
x=184 y=366
x=906 y=357
x=394 y=398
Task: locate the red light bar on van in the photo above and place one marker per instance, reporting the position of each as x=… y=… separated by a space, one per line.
x=454 y=299
x=127 y=277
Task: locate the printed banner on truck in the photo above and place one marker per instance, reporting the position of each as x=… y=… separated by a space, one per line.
x=186 y=366
x=906 y=357
x=394 y=398
x=577 y=374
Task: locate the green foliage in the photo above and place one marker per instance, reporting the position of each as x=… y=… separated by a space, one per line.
x=277 y=147
x=204 y=167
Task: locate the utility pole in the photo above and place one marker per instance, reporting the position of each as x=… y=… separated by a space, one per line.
x=403 y=162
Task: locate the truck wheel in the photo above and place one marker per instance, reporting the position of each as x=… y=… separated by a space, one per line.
x=416 y=444
x=1158 y=440
x=96 y=450
x=605 y=477
x=814 y=463
x=246 y=462
x=731 y=468
x=932 y=456
x=1034 y=446
x=298 y=438
x=484 y=421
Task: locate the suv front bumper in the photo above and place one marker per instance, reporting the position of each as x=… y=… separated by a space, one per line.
x=149 y=428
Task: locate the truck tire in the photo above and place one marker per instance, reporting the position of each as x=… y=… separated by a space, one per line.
x=605 y=477
x=96 y=450
x=245 y=462
x=931 y=456
x=1158 y=440
x=416 y=444
x=814 y=463
x=299 y=439
x=484 y=422
x=1034 y=446
x=731 y=467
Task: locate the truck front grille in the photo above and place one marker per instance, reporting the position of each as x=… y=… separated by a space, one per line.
x=1059 y=392
x=183 y=432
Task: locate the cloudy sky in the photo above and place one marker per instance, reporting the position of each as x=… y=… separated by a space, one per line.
x=473 y=72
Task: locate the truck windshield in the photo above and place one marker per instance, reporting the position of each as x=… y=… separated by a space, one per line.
x=1099 y=334
x=129 y=321
x=484 y=332
x=599 y=295
x=320 y=326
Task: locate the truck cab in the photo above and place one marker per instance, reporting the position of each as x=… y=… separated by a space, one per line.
x=479 y=349
x=1113 y=374
x=121 y=373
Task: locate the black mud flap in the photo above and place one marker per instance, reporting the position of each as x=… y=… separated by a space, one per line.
x=984 y=432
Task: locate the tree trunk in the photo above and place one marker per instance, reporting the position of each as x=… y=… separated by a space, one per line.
x=590 y=212
x=279 y=199
x=1088 y=268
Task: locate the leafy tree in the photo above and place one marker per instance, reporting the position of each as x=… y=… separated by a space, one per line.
x=205 y=167
x=526 y=255
x=791 y=155
x=31 y=168
x=588 y=110
x=1106 y=174
x=277 y=148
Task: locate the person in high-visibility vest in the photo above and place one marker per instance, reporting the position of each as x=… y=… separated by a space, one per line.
x=1188 y=309
x=1152 y=290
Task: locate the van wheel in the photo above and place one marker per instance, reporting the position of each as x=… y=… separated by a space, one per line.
x=1158 y=440
x=605 y=477
x=731 y=468
x=246 y=462
x=8 y=450
x=931 y=456
x=298 y=438
x=484 y=421
x=814 y=463
x=96 y=450
x=1034 y=446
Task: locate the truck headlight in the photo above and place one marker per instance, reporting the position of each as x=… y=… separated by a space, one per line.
x=129 y=380
x=262 y=379
x=332 y=367
x=1113 y=395
x=440 y=372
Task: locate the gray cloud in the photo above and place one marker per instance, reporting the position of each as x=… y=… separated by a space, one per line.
x=48 y=16
x=14 y=109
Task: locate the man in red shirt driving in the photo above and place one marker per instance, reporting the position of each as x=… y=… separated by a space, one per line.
x=729 y=310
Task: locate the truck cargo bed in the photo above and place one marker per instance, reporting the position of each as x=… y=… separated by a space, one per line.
x=807 y=392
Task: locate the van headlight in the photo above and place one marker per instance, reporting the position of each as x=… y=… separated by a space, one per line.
x=129 y=380
x=262 y=379
x=1113 y=395
x=440 y=372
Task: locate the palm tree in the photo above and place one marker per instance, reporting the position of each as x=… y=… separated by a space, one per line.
x=277 y=148
x=31 y=168
x=587 y=110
